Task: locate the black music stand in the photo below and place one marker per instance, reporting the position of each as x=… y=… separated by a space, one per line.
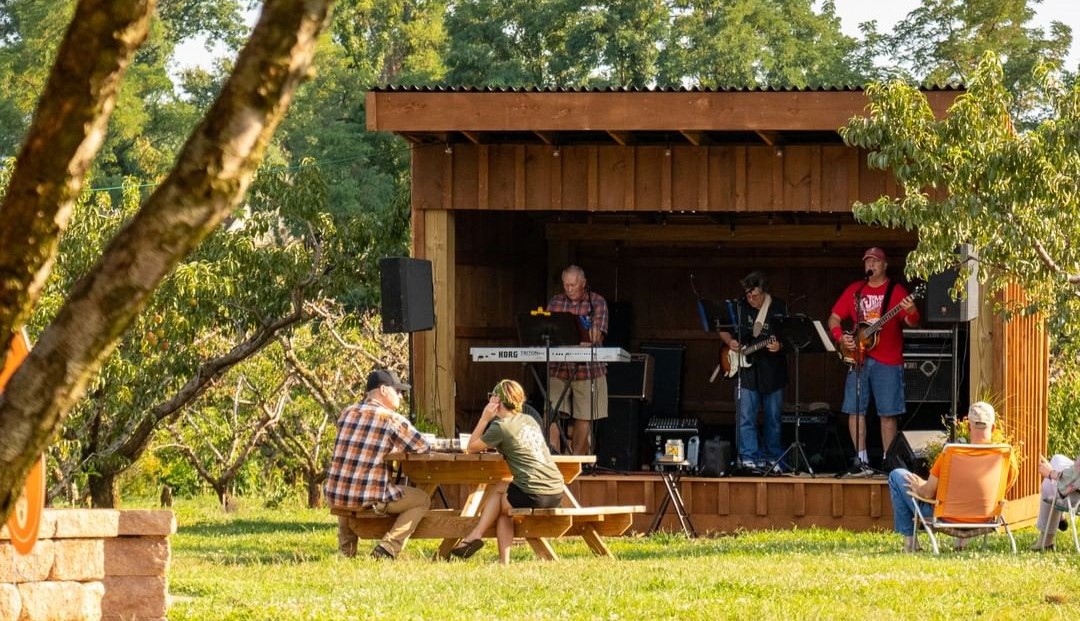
x=548 y=329
x=712 y=316
x=799 y=333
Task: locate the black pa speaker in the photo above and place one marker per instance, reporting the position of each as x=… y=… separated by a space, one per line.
x=940 y=306
x=908 y=451
x=408 y=301
x=618 y=437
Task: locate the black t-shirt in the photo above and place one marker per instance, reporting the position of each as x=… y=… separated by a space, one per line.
x=768 y=370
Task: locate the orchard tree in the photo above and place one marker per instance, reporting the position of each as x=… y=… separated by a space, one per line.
x=741 y=43
x=971 y=177
x=943 y=41
x=207 y=182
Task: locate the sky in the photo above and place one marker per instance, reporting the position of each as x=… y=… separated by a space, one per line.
x=851 y=12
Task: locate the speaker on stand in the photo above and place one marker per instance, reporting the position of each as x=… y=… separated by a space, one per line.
x=408 y=302
x=941 y=307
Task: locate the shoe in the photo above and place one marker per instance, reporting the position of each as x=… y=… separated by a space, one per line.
x=466 y=549
x=861 y=469
x=747 y=464
x=911 y=544
x=381 y=553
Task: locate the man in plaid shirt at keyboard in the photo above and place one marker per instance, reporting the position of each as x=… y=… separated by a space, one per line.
x=358 y=476
x=588 y=396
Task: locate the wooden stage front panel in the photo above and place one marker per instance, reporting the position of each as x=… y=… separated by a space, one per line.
x=728 y=504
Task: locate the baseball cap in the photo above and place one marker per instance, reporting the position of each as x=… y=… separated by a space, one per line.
x=385 y=377
x=981 y=413
x=874 y=252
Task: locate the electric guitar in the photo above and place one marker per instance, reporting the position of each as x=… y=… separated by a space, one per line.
x=866 y=333
x=731 y=361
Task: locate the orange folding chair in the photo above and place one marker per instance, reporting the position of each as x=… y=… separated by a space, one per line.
x=970 y=495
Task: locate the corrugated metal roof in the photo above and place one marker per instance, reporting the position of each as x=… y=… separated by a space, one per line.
x=397 y=88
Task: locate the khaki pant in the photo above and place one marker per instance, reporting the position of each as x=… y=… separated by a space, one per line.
x=410 y=509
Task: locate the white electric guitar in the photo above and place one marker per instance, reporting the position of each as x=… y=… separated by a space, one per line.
x=731 y=361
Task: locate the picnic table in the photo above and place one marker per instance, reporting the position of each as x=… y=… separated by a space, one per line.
x=476 y=471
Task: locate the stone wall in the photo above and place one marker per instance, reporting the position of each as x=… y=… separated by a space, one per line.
x=89 y=564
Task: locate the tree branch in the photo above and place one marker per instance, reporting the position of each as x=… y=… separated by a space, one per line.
x=63 y=139
x=212 y=173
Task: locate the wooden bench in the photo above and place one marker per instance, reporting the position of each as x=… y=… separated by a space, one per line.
x=533 y=525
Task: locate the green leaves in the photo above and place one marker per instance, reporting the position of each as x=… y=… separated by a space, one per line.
x=971 y=177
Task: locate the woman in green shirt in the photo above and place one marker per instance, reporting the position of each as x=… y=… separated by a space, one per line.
x=537 y=482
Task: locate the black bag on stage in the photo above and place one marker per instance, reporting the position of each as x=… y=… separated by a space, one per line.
x=715 y=458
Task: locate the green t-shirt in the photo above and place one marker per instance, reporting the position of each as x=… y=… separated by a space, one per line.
x=522 y=445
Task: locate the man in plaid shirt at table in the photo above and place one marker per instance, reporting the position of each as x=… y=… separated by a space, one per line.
x=588 y=397
x=358 y=476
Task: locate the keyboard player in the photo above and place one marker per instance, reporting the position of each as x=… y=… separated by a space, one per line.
x=587 y=399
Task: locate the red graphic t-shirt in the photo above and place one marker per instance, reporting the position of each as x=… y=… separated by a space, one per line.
x=890 y=345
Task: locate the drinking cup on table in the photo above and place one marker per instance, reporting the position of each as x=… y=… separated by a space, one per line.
x=429 y=438
x=463 y=441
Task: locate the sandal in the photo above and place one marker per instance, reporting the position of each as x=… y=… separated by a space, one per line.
x=466 y=549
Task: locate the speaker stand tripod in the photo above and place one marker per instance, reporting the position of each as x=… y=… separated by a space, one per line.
x=794 y=333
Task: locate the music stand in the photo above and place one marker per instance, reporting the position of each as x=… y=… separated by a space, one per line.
x=712 y=316
x=548 y=329
x=800 y=333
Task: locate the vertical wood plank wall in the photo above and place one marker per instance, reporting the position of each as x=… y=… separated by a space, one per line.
x=1021 y=382
x=740 y=179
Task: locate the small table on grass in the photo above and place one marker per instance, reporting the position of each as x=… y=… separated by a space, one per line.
x=671 y=472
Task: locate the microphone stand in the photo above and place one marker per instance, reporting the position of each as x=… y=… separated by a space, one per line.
x=738 y=379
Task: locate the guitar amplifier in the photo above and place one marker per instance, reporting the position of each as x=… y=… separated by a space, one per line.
x=928 y=378
x=631 y=380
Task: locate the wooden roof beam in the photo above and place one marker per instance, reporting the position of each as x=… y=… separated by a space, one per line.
x=768 y=111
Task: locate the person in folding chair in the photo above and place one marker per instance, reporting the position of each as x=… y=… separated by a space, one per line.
x=1059 y=498
x=966 y=484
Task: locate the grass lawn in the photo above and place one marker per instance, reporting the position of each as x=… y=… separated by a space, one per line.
x=283 y=564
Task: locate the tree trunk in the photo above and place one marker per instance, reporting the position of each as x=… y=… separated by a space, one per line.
x=103 y=490
x=314 y=491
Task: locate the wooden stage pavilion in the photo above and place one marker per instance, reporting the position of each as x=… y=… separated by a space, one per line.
x=665 y=196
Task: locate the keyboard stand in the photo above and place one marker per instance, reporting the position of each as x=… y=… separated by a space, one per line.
x=671 y=473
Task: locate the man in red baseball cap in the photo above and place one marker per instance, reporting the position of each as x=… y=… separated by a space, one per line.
x=875 y=350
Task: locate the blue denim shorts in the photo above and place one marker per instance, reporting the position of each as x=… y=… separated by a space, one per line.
x=884 y=381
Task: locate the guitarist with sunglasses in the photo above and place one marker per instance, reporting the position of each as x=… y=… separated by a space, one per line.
x=754 y=354
x=877 y=363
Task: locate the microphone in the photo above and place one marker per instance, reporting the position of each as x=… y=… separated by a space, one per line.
x=869 y=273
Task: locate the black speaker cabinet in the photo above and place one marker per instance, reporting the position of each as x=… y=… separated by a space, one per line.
x=927 y=378
x=618 y=437
x=631 y=380
x=620 y=325
x=940 y=306
x=408 y=302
